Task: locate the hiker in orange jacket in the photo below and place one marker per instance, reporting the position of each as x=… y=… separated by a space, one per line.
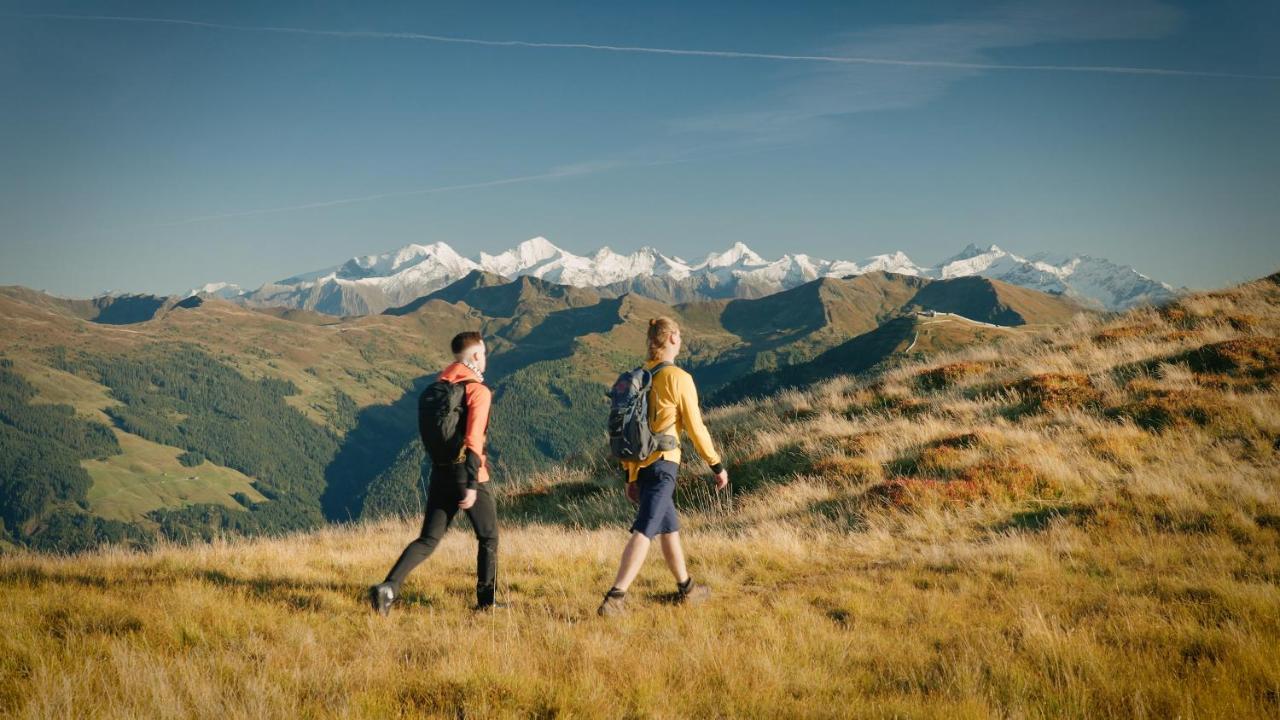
x=673 y=409
x=458 y=485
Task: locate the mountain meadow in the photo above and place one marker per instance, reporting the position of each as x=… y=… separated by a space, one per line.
x=1019 y=510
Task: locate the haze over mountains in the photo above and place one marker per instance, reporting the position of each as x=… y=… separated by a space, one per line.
x=370 y=284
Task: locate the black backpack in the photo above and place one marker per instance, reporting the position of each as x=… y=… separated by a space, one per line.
x=442 y=420
x=630 y=437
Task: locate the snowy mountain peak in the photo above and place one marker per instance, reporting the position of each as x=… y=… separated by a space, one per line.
x=737 y=254
x=974 y=261
x=527 y=254
x=971 y=251
x=537 y=249
x=895 y=262
x=225 y=290
x=394 y=261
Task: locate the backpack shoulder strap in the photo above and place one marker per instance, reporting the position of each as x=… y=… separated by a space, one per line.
x=653 y=373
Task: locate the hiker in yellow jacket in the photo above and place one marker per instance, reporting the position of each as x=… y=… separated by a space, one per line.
x=673 y=409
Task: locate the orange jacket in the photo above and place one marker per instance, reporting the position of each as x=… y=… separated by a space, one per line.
x=478 y=398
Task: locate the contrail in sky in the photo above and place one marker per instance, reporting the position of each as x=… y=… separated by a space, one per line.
x=838 y=59
x=364 y=198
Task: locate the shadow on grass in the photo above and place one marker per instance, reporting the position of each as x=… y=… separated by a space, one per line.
x=297 y=593
x=777 y=467
x=1040 y=519
x=848 y=513
x=585 y=504
x=35 y=577
x=663 y=598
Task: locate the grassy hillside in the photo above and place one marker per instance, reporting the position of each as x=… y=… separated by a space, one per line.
x=293 y=418
x=993 y=301
x=903 y=338
x=105 y=309
x=788 y=327
x=148 y=476
x=1083 y=522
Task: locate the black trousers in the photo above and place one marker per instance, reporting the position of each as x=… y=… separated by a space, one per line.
x=447 y=485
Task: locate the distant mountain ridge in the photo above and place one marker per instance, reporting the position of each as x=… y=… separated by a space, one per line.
x=370 y=284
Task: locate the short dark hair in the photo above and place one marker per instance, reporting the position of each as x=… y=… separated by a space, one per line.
x=464 y=340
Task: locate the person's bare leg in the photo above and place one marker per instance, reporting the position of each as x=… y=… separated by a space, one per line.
x=673 y=552
x=633 y=556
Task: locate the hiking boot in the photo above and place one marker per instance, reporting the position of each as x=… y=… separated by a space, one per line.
x=613 y=605
x=381 y=596
x=693 y=594
x=485 y=599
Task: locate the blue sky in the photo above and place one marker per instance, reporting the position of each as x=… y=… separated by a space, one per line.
x=138 y=155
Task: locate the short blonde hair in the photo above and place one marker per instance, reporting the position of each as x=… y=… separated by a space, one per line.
x=660 y=331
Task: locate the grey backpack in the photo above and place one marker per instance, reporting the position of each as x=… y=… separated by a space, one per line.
x=630 y=437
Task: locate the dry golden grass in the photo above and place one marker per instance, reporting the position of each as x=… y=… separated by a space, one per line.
x=894 y=547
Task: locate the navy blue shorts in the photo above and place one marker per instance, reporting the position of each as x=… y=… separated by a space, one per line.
x=657 y=513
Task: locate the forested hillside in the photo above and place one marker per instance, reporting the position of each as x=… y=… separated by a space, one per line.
x=42 y=485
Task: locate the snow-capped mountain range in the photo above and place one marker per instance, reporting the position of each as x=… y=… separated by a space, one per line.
x=373 y=283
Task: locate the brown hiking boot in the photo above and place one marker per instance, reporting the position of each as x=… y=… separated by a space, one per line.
x=695 y=594
x=613 y=605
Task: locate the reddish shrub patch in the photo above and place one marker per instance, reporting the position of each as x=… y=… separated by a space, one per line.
x=946 y=456
x=844 y=467
x=1123 y=447
x=956 y=470
x=1054 y=391
x=904 y=406
x=1253 y=359
x=962 y=441
x=1113 y=335
x=946 y=376
x=1244 y=322
x=906 y=493
x=855 y=444
x=1178 y=315
x=991 y=479
x=1157 y=408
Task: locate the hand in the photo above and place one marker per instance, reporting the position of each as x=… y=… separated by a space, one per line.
x=468 y=499
x=633 y=493
x=722 y=479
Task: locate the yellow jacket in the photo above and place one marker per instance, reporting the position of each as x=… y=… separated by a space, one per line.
x=673 y=409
